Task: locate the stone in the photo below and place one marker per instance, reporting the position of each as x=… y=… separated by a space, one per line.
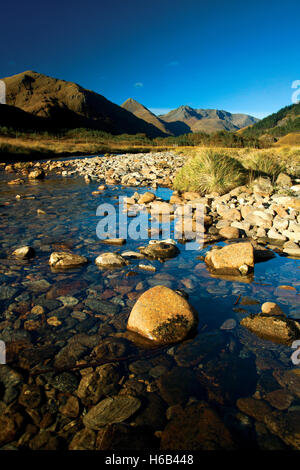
x=146 y=198
x=37 y=174
x=280 y=399
x=68 y=301
x=162 y=315
x=97 y=384
x=229 y=232
x=229 y=214
x=284 y=180
x=289 y=379
x=270 y=308
x=71 y=408
x=263 y=187
x=114 y=241
x=53 y=321
x=7 y=292
x=37 y=310
x=8 y=429
x=197 y=427
x=111 y=410
x=65 y=260
x=274 y=235
x=229 y=258
x=229 y=324
x=30 y=396
x=41 y=285
x=257 y=409
x=102 y=307
x=163 y=208
x=25 y=252
x=160 y=250
x=107 y=260
x=83 y=440
x=273 y=327
x=45 y=440
x=178 y=385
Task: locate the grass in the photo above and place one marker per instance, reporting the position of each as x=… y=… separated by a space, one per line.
x=220 y=170
x=210 y=171
x=24 y=148
x=264 y=164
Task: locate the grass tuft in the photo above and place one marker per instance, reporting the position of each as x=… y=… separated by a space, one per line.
x=211 y=171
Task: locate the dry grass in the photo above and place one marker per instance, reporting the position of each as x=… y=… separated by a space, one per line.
x=210 y=170
x=13 y=147
x=219 y=170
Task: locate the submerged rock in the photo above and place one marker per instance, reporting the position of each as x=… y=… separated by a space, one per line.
x=274 y=327
x=197 y=427
x=162 y=315
x=110 y=411
x=65 y=260
x=160 y=250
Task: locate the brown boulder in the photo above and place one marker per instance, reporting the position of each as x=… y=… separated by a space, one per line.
x=162 y=315
x=231 y=258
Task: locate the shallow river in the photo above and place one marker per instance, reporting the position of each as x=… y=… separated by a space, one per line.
x=215 y=368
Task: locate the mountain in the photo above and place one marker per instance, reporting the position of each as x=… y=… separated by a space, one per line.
x=284 y=122
x=10 y=116
x=141 y=112
x=208 y=120
x=65 y=104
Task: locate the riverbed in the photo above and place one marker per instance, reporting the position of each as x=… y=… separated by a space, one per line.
x=210 y=376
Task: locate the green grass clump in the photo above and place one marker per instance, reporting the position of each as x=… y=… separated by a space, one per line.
x=211 y=171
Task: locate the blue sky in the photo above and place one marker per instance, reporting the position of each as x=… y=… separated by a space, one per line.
x=241 y=56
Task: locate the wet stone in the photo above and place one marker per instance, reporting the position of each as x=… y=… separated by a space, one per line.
x=178 y=385
x=65 y=382
x=111 y=410
x=197 y=427
x=102 y=306
x=98 y=384
x=7 y=292
x=280 y=399
x=30 y=396
x=83 y=440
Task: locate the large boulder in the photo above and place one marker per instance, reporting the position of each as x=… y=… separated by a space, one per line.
x=231 y=259
x=162 y=315
x=65 y=260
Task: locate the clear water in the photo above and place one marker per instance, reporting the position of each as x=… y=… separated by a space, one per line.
x=70 y=223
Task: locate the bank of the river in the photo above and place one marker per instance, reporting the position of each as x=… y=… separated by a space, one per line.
x=77 y=379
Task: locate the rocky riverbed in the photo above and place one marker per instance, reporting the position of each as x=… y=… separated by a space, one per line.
x=77 y=378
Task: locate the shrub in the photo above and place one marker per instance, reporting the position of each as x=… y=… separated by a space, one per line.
x=210 y=171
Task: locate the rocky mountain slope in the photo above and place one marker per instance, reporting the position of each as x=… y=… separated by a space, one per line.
x=208 y=120
x=68 y=105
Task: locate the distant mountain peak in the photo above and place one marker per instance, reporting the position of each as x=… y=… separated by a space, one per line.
x=208 y=120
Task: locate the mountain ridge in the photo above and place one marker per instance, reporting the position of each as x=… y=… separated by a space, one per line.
x=68 y=105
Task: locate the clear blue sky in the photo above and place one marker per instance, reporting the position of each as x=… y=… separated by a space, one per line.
x=237 y=55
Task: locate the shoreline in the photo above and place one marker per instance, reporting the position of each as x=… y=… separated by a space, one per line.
x=265 y=212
